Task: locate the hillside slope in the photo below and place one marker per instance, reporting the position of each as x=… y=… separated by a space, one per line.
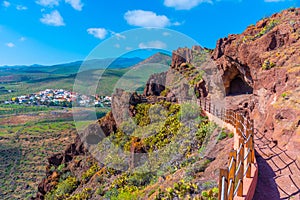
x=260 y=71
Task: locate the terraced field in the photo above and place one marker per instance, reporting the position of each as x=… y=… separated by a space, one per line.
x=25 y=143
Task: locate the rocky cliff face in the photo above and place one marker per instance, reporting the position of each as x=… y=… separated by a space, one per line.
x=260 y=71
x=265 y=61
x=156 y=84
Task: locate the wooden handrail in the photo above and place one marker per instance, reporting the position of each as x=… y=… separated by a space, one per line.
x=242 y=158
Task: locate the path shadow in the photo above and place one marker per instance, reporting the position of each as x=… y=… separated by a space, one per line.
x=279 y=173
x=266 y=188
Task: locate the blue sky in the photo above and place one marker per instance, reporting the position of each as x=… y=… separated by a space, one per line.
x=58 y=31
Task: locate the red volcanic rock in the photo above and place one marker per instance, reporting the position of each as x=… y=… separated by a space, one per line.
x=265 y=60
x=155 y=84
x=108 y=124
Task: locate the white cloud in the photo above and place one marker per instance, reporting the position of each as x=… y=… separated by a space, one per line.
x=119 y=35
x=10 y=45
x=153 y=44
x=76 y=4
x=6 y=4
x=98 y=32
x=128 y=48
x=49 y=3
x=21 y=7
x=184 y=4
x=146 y=19
x=117 y=46
x=176 y=23
x=22 y=39
x=53 y=19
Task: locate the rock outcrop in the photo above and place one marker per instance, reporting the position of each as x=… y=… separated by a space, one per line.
x=52 y=177
x=123 y=105
x=184 y=55
x=265 y=60
x=156 y=84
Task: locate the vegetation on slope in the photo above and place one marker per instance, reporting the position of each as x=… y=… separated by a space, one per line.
x=168 y=137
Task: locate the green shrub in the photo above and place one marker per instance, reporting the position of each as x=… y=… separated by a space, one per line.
x=262 y=32
x=63 y=189
x=125 y=195
x=215 y=190
x=268 y=65
x=209 y=184
x=121 y=181
x=157 y=113
x=173 y=109
x=111 y=194
x=89 y=173
x=222 y=135
x=60 y=167
x=179 y=190
x=142 y=116
x=284 y=95
x=197 y=167
x=204 y=129
x=197 y=76
x=211 y=194
x=189 y=111
x=52 y=168
x=165 y=92
x=267 y=28
x=100 y=190
x=204 y=194
x=151 y=192
x=140 y=179
x=84 y=195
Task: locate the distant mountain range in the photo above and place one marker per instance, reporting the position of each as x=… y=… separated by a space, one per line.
x=158 y=58
x=73 y=67
x=38 y=77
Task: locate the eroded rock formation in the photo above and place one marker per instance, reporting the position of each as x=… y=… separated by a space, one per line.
x=266 y=58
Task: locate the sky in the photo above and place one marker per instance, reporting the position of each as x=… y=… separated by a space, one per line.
x=58 y=31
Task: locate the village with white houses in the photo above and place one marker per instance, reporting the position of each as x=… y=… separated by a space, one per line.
x=61 y=97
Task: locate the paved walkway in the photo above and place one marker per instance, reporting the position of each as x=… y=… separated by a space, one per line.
x=279 y=173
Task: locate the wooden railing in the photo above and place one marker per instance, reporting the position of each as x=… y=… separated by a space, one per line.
x=241 y=158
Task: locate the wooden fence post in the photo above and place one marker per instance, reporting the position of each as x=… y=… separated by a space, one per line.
x=223 y=184
x=248 y=145
x=240 y=174
x=252 y=141
x=231 y=176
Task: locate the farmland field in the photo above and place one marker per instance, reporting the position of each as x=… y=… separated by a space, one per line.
x=26 y=141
